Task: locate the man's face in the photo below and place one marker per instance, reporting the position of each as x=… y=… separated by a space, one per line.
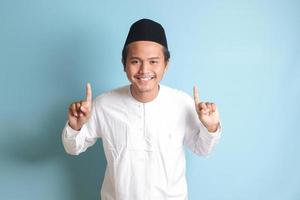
x=145 y=66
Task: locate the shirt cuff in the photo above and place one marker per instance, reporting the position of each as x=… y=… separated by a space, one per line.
x=70 y=133
x=215 y=134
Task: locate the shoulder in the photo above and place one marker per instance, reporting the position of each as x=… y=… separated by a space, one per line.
x=176 y=94
x=112 y=96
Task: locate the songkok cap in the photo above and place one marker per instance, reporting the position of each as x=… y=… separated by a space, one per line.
x=146 y=30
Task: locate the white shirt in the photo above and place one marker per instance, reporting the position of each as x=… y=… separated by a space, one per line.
x=143 y=143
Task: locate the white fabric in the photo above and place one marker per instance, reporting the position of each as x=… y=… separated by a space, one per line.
x=143 y=143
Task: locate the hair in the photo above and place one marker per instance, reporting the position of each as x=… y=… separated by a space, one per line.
x=166 y=53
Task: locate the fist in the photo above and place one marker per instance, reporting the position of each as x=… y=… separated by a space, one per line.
x=80 y=111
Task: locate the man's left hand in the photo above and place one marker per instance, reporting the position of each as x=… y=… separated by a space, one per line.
x=207 y=112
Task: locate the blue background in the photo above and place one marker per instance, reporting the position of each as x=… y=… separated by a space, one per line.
x=244 y=56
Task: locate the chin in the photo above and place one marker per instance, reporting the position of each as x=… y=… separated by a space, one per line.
x=144 y=88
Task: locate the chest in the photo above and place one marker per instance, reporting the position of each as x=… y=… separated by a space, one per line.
x=144 y=127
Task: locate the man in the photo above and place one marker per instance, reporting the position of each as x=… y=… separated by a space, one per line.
x=145 y=125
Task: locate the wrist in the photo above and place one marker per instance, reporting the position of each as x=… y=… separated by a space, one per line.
x=213 y=128
x=74 y=127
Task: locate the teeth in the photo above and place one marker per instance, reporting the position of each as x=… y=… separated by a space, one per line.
x=145 y=78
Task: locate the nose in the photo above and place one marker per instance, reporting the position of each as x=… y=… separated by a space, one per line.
x=143 y=67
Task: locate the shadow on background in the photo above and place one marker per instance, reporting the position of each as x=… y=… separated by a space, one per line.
x=85 y=172
x=33 y=138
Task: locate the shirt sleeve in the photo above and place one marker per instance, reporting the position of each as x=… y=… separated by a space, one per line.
x=76 y=142
x=197 y=137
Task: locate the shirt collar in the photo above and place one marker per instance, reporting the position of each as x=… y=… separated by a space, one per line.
x=132 y=99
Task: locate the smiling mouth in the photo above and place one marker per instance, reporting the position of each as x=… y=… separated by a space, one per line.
x=145 y=78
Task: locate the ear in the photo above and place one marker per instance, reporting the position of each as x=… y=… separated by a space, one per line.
x=124 y=65
x=167 y=66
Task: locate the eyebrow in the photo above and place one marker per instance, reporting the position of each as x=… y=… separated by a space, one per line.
x=151 y=58
x=154 y=58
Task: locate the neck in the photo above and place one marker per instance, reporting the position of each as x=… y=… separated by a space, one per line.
x=146 y=96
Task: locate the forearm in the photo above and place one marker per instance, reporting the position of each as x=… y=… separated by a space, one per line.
x=203 y=141
x=76 y=142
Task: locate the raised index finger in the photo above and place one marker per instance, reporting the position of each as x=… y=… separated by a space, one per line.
x=196 y=95
x=89 y=93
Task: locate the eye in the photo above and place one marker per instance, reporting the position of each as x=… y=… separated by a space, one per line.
x=134 y=62
x=153 y=61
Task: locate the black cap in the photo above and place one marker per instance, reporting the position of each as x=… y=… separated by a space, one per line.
x=147 y=30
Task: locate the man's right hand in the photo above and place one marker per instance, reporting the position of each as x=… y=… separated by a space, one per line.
x=80 y=112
